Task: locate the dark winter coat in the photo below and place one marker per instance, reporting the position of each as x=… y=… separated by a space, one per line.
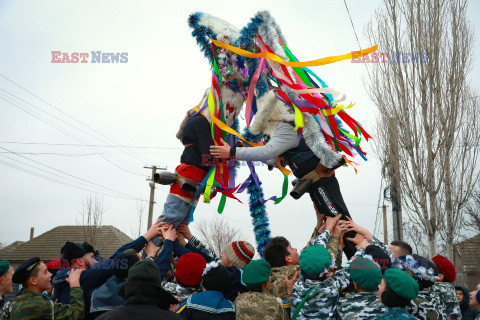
x=468 y=313
x=92 y=278
x=144 y=301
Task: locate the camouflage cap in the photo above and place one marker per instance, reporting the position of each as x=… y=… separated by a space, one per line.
x=365 y=273
x=401 y=283
x=256 y=273
x=315 y=260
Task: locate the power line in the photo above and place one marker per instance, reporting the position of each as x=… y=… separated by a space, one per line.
x=61 y=111
x=355 y=32
x=63 y=182
x=64 y=131
x=88 y=145
x=64 y=173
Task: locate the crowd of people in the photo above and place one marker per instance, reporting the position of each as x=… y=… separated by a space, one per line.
x=168 y=273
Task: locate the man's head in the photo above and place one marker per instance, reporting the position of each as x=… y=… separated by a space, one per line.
x=475 y=298
x=78 y=254
x=33 y=275
x=237 y=254
x=279 y=253
x=400 y=248
x=6 y=273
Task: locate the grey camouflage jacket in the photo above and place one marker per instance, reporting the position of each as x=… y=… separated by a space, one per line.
x=361 y=305
x=323 y=300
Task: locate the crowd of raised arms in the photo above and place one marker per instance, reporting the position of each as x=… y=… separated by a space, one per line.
x=170 y=274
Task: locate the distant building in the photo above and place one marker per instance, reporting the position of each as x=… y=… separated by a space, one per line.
x=47 y=246
x=467 y=262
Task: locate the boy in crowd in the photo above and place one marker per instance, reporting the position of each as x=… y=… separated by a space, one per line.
x=210 y=302
x=444 y=285
x=6 y=274
x=364 y=304
x=258 y=302
x=33 y=275
x=396 y=291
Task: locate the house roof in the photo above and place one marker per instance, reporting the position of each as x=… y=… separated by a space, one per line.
x=468 y=251
x=47 y=246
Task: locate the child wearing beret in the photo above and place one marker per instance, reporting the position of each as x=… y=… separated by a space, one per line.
x=396 y=291
x=444 y=286
x=257 y=303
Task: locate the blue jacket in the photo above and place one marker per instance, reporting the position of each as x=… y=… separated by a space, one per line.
x=106 y=297
x=207 y=305
x=92 y=278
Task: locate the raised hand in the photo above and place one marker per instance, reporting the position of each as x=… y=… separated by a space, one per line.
x=221 y=151
x=290 y=283
x=169 y=233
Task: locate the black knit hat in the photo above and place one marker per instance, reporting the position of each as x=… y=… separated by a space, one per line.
x=215 y=277
x=24 y=270
x=88 y=247
x=379 y=256
x=146 y=273
x=72 y=250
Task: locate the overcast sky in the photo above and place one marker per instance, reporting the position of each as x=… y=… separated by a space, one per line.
x=141 y=103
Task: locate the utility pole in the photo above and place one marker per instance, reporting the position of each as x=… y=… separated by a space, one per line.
x=394 y=167
x=152 y=194
x=385 y=229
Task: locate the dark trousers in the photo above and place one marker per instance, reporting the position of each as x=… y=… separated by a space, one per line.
x=326 y=195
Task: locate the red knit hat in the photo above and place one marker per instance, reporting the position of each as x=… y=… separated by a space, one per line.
x=189 y=270
x=446 y=267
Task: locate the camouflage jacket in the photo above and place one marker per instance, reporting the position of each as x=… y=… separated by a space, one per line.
x=5 y=308
x=323 y=299
x=260 y=305
x=428 y=305
x=449 y=298
x=361 y=305
x=331 y=245
x=178 y=291
x=382 y=245
x=396 y=314
x=29 y=306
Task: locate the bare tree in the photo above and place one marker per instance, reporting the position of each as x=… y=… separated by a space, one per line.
x=136 y=232
x=217 y=233
x=423 y=95
x=472 y=210
x=90 y=214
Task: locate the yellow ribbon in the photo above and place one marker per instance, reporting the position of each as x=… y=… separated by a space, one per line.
x=312 y=63
x=298 y=118
x=337 y=109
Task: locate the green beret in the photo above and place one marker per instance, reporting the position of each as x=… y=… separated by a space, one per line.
x=256 y=273
x=24 y=270
x=4 y=266
x=365 y=273
x=314 y=260
x=401 y=283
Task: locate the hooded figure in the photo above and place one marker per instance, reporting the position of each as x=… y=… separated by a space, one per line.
x=468 y=313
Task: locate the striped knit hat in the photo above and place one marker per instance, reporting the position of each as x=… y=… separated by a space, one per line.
x=240 y=253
